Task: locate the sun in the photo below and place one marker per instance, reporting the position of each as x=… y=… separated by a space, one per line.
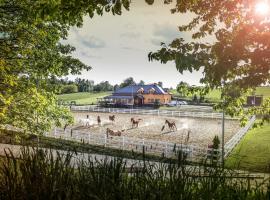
x=262 y=8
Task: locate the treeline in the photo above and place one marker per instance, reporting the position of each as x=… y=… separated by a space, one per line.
x=65 y=86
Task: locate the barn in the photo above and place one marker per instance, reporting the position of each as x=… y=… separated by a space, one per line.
x=138 y=95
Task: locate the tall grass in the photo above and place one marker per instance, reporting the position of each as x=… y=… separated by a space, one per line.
x=39 y=174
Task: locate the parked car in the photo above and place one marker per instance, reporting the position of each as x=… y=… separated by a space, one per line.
x=176 y=103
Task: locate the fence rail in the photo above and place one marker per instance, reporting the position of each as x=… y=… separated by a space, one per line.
x=165 y=149
x=231 y=144
x=173 y=113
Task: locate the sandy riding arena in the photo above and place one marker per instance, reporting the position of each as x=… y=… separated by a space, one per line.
x=195 y=131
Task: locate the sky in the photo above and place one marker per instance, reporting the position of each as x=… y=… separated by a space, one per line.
x=117 y=47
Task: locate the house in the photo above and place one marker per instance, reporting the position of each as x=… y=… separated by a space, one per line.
x=138 y=95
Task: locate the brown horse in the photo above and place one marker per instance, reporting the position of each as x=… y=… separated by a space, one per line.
x=171 y=125
x=113 y=133
x=112 y=118
x=135 y=123
x=98 y=120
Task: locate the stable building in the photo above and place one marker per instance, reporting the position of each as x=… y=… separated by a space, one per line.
x=138 y=95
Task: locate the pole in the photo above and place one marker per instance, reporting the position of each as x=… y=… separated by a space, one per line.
x=222 y=138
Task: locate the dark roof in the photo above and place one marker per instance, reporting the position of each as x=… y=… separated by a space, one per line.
x=132 y=89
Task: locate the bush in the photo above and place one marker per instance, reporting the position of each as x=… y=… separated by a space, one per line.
x=66 y=89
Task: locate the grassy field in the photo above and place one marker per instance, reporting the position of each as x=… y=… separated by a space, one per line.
x=253 y=152
x=83 y=97
x=214 y=95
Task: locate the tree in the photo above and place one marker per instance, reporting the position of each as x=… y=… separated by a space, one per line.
x=141 y=82
x=237 y=58
x=31 y=53
x=116 y=87
x=160 y=84
x=127 y=82
x=66 y=89
x=182 y=88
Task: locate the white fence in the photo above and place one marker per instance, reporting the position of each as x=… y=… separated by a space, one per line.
x=173 y=113
x=152 y=147
x=230 y=145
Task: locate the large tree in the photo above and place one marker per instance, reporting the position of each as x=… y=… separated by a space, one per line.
x=237 y=58
x=31 y=53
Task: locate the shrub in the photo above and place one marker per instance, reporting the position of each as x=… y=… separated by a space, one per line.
x=66 y=89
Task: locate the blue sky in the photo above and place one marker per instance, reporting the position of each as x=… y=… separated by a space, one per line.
x=117 y=46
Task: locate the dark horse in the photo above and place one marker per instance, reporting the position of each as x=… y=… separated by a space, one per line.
x=135 y=123
x=98 y=120
x=112 y=118
x=171 y=125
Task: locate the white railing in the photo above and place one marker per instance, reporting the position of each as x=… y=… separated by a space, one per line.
x=230 y=145
x=173 y=113
x=152 y=147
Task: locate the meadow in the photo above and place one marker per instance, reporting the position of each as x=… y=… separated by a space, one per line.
x=252 y=153
x=83 y=97
x=214 y=95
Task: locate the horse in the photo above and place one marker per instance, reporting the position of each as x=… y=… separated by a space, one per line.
x=135 y=123
x=113 y=133
x=171 y=125
x=98 y=120
x=85 y=122
x=112 y=118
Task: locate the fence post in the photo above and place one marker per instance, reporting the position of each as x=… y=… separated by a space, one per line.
x=166 y=149
x=143 y=143
x=123 y=142
x=105 y=140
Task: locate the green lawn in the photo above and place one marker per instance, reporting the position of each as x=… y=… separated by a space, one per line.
x=83 y=97
x=253 y=152
x=214 y=95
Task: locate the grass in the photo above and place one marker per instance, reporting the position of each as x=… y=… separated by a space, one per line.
x=214 y=95
x=83 y=97
x=253 y=152
x=39 y=174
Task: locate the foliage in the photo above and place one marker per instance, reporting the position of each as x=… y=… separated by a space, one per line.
x=31 y=53
x=216 y=142
x=237 y=56
x=69 y=89
x=103 y=86
x=127 y=82
x=182 y=88
x=38 y=173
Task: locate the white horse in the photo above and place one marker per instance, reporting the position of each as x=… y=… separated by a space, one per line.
x=85 y=122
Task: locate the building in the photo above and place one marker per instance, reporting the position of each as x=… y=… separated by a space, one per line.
x=255 y=100
x=138 y=95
